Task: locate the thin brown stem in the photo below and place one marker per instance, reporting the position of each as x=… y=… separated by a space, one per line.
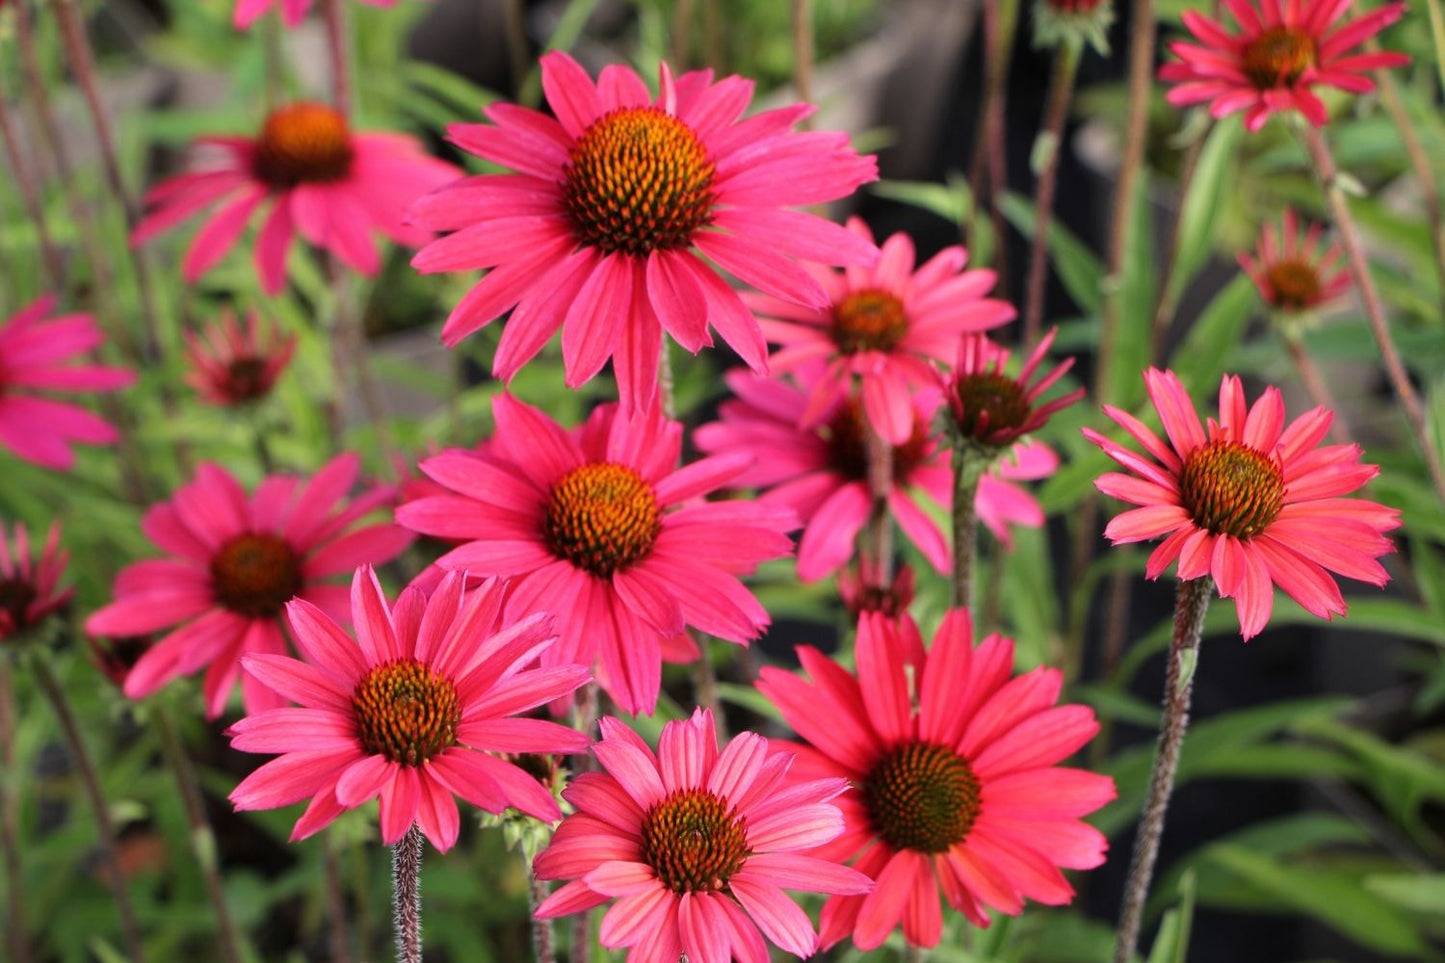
x=1314 y=383
x=1374 y=308
x=879 y=532
x=803 y=54
x=969 y=464
x=519 y=55
x=1056 y=114
x=714 y=45
x=682 y=34
x=30 y=197
x=543 y=950
x=18 y=946
x=988 y=173
x=406 y=887
x=1141 y=83
x=1420 y=163
x=336 y=916
x=1116 y=618
x=338 y=49
x=353 y=364
x=1191 y=602
x=90 y=782
x=202 y=836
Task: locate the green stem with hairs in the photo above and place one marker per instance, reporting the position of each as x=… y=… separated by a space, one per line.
x=969 y=465
x=15 y=940
x=406 y=890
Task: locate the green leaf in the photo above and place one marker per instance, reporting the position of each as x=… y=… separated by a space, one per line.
x=1172 y=943
x=952 y=201
x=1135 y=297
x=1411 y=891
x=1202 y=203
x=1080 y=271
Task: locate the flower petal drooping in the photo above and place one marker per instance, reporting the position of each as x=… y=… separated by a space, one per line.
x=235 y=365
x=30 y=589
x=1291 y=272
x=992 y=408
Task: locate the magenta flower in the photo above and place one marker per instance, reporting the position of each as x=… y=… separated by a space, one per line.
x=603 y=228
x=1291 y=273
x=292 y=11
x=415 y=710
x=337 y=187
x=604 y=530
x=36 y=354
x=30 y=589
x=1282 y=52
x=236 y=561
x=234 y=365
x=992 y=408
x=889 y=327
x=956 y=765
x=696 y=845
x=1249 y=501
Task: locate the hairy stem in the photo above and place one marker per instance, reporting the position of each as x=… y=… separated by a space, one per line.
x=406 y=888
x=1056 y=114
x=990 y=160
x=15 y=941
x=543 y=950
x=1189 y=607
x=969 y=464
x=1314 y=383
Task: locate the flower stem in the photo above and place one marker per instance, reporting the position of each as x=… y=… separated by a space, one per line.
x=337 y=46
x=30 y=197
x=543 y=950
x=1374 y=309
x=990 y=161
x=406 y=886
x=803 y=54
x=585 y=722
x=275 y=59
x=879 y=533
x=10 y=824
x=90 y=780
x=202 y=837
x=519 y=54
x=353 y=364
x=1314 y=382
x=1190 y=604
x=1056 y=113
x=969 y=464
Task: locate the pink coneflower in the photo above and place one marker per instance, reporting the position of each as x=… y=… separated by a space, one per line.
x=30 y=588
x=35 y=354
x=236 y=562
x=603 y=529
x=414 y=711
x=337 y=187
x=993 y=409
x=861 y=589
x=292 y=11
x=956 y=769
x=1248 y=501
x=1283 y=50
x=234 y=365
x=822 y=473
x=1291 y=272
x=888 y=326
x=697 y=846
x=603 y=228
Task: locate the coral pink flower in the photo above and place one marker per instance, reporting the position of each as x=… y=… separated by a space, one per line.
x=822 y=473
x=889 y=326
x=603 y=228
x=30 y=588
x=292 y=11
x=862 y=591
x=35 y=354
x=1283 y=50
x=232 y=365
x=993 y=409
x=604 y=530
x=1291 y=272
x=236 y=561
x=414 y=711
x=337 y=187
x=697 y=846
x=1248 y=500
x=956 y=767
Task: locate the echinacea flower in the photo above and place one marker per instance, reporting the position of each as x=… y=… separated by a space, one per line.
x=30 y=589
x=822 y=473
x=1073 y=21
x=1292 y=273
x=696 y=845
x=861 y=588
x=36 y=355
x=235 y=562
x=993 y=409
x=415 y=710
x=313 y=174
x=234 y=365
x=1282 y=52
x=887 y=327
x=603 y=227
x=605 y=531
x=292 y=11
x=1246 y=500
x=956 y=767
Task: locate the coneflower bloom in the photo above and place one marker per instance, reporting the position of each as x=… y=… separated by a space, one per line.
x=821 y=473
x=415 y=710
x=887 y=327
x=1282 y=52
x=1247 y=501
x=956 y=768
x=1293 y=274
x=992 y=408
x=292 y=11
x=603 y=227
x=860 y=587
x=235 y=562
x=35 y=355
x=30 y=589
x=234 y=365
x=311 y=173
x=603 y=529
x=696 y=845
